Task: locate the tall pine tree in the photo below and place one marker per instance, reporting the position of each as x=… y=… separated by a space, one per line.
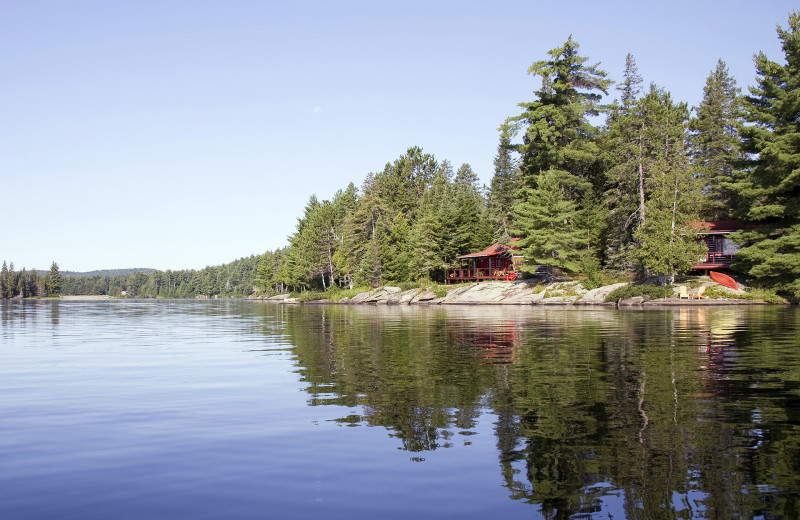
x=769 y=185
x=715 y=141
x=622 y=145
x=546 y=222
x=559 y=142
x=504 y=186
x=666 y=240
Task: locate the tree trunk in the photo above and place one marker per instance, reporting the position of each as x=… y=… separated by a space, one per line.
x=641 y=181
x=641 y=189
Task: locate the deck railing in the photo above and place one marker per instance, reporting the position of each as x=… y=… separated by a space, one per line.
x=716 y=258
x=460 y=275
x=713 y=260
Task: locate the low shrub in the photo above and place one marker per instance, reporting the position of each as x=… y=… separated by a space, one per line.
x=333 y=294
x=648 y=292
x=753 y=294
x=310 y=296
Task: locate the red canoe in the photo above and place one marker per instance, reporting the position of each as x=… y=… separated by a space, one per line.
x=723 y=279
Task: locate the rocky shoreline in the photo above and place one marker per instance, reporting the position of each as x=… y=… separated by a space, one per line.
x=514 y=293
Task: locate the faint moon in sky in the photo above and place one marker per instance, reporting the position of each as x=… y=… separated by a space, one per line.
x=317 y=109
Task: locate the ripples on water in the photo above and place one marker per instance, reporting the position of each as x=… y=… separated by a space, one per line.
x=230 y=409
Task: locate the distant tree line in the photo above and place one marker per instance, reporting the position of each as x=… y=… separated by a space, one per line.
x=26 y=284
x=586 y=186
x=235 y=279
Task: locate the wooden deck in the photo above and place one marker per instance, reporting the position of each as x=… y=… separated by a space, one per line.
x=714 y=261
x=476 y=275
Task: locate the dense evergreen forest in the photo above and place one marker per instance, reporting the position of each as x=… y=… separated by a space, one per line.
x=588 y=187
x=27 y=284
x=624 y=195
x=235 y=279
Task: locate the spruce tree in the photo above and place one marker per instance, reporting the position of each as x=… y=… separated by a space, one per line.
x=425 y=253
x=545 y=219
x=559 y=142
x=503 y=188
x=557 y=132
x=473 y=230
x=631 y=84
x=395 y=250
x=6 y=282
x=715 y=141
x=769 y=184
x=360 y=258
x=433 y=229
x=54 y=281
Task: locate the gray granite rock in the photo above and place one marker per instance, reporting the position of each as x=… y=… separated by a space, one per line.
x=426 y=296
x=599 y=295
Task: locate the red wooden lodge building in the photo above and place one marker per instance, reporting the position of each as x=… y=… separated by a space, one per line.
x=503 y=262
x=720 y=247
x=496 y=262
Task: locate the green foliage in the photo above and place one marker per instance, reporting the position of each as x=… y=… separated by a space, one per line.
x=555 y=214
x=557 y=132
x=53 y=281
x=600 y=278
x=582 y=199
x=235 y=279
x=546 y=222
x=648 y=292
x=667 y=239
x=753 y=294
x=769 y=183
x=504 y=187
x=23 y=284
x=622 y=145
x=715 y=141
x=591 y=275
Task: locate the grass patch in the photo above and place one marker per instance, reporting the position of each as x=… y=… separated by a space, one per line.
x=440 y=290
x=310 y=296
x=755 y=294
x=565 y=290
x=333 y=294
x=648 y=292
x=601 y=279
x=337 y=294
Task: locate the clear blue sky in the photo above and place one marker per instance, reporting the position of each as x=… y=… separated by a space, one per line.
x=180 y=134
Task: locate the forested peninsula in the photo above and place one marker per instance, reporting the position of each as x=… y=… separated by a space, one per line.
x=594 y=192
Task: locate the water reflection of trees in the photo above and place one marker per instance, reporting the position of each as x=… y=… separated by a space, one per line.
x=403 y=371
x=665 y=413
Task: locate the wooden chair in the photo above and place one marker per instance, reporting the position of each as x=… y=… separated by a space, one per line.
x=701 y=291
x=683 y=292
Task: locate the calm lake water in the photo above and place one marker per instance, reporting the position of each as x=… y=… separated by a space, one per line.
x=231 y=409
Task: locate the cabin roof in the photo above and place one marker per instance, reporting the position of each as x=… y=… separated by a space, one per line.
x=717 y=226
x=495 y=249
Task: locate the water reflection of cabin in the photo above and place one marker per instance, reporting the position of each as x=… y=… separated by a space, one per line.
x=720 y=247
x=496 y=262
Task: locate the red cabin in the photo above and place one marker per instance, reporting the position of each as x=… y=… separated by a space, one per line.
x=496 y=262
x=720 y=247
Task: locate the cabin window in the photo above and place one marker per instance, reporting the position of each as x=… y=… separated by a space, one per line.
x=728 y=247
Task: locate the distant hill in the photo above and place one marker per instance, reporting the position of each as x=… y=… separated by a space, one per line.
x=109 y=272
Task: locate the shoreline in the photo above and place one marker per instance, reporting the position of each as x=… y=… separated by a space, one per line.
x=516 y=293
